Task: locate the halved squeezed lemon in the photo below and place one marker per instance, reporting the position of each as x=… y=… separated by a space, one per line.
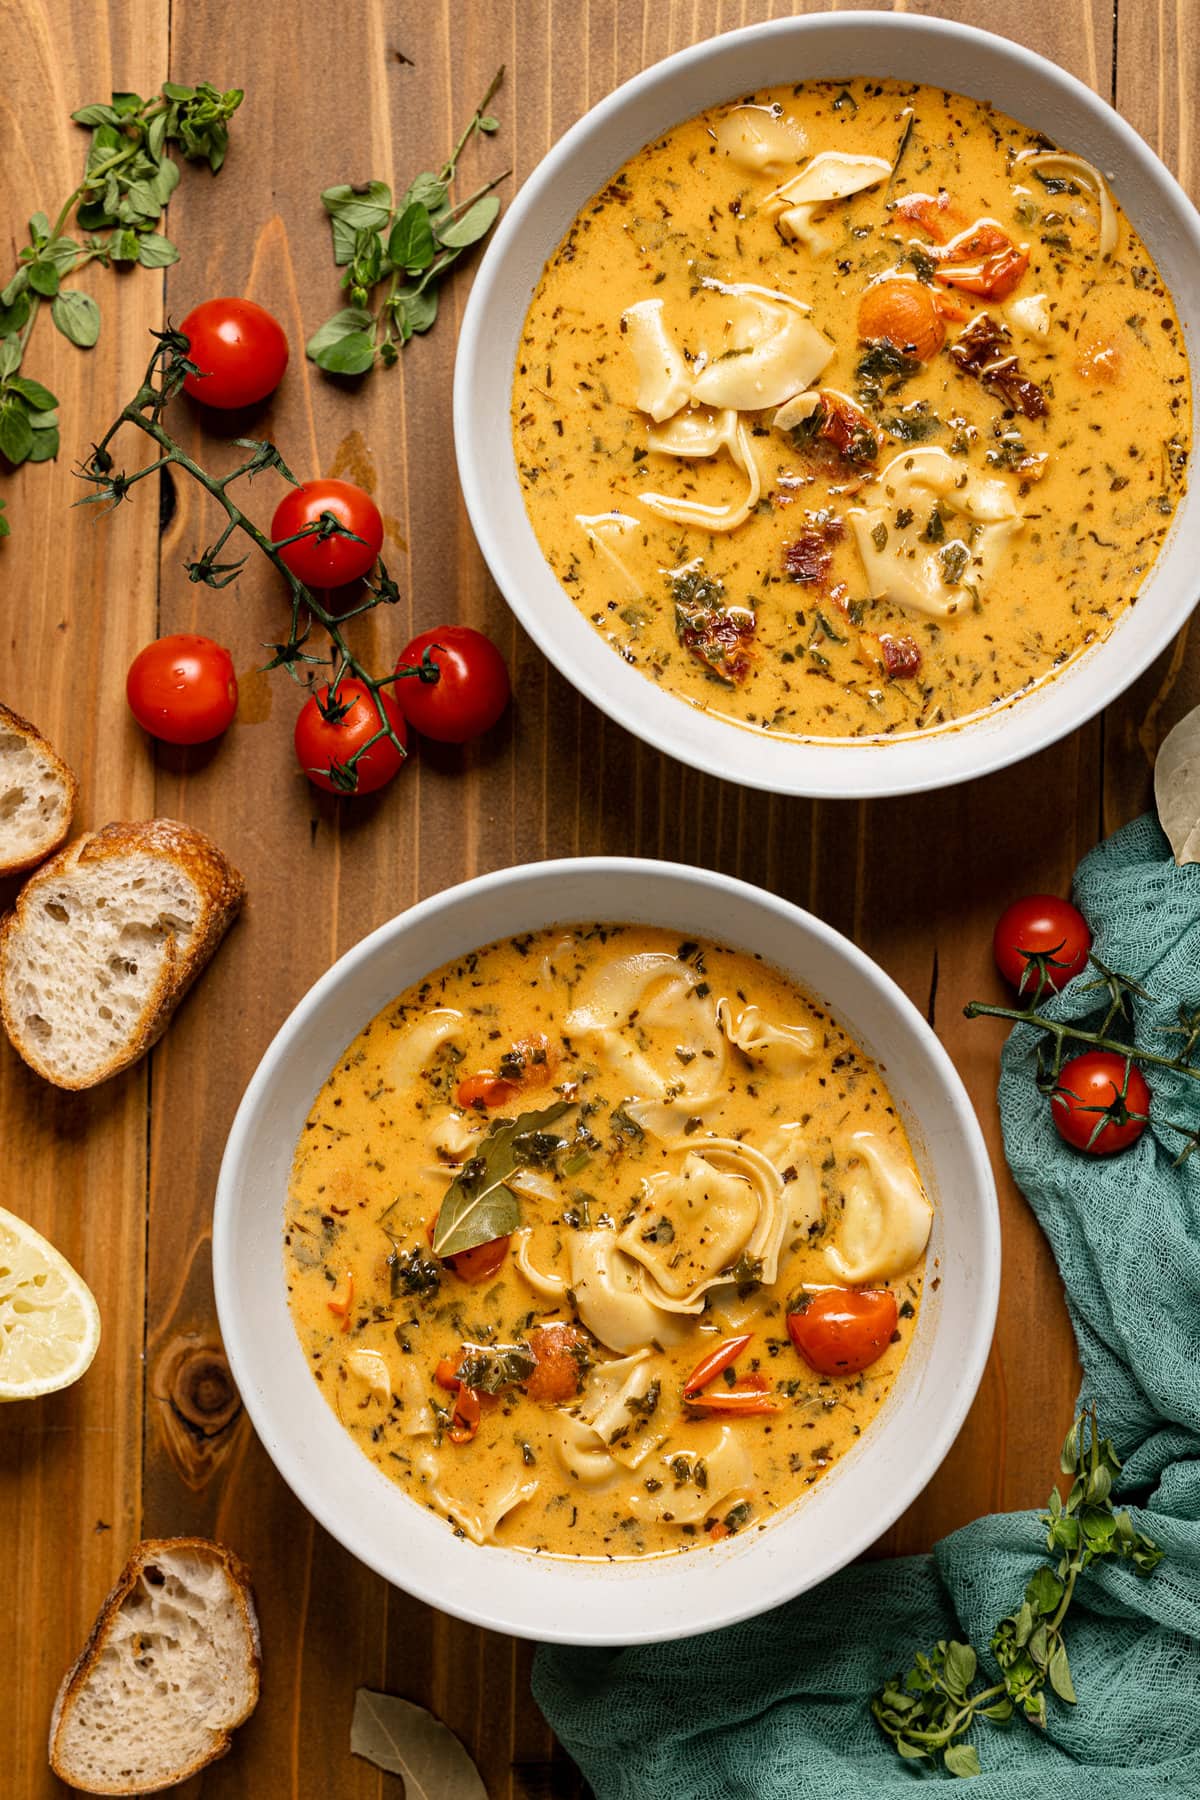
x=49 y=1320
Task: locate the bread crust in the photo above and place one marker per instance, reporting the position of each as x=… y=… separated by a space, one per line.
x=64 y=773
x=145 y=1554
x=222 y=891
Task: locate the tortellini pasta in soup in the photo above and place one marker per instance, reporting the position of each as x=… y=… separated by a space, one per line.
x=851 y=409
x=556 y=1219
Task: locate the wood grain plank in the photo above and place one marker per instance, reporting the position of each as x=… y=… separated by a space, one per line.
x=554 y=779
x=74 y=1165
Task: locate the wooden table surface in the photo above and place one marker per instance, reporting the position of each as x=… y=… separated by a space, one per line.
x=153 y=1440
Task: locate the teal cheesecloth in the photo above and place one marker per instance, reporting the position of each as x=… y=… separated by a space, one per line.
x=777 y=1708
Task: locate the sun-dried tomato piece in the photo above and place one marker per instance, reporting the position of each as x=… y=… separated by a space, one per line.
x=901 y=655
x=716 y=637
x=847 y=428
x=981 y=350
x=809 y=557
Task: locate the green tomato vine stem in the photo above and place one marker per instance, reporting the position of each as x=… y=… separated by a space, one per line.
x=164 y=376
x=1064 y=1034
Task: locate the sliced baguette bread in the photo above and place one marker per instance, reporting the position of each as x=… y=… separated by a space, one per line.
x=170 y=1669
x=37 y=795
x=104 y=942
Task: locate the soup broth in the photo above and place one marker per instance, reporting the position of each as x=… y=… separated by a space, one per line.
x=547 y=1186
x=851 y=409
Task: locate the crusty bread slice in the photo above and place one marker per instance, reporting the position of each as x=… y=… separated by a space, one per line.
x=37 y=795
x=170 y=1669
x=104 y=942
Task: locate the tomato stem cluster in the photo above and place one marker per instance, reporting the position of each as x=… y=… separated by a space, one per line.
x=1064 y=1035
x=164 y=378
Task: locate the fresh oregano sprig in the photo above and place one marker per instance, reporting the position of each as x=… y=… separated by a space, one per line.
x=321 y=675
x=128 y=179
x=929 y=1711
x=405 y=251
x=1063 y=1037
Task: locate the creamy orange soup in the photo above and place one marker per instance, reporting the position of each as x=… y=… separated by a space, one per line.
x=851 y=409
x=547 y=1186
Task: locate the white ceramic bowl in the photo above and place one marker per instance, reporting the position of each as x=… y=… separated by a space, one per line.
x=934 y=51
x=599 y=1603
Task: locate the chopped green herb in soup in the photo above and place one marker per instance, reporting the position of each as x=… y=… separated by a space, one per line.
x=603 y=1243
x=851 y=409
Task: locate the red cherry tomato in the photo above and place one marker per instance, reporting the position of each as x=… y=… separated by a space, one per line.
x=328 y=562
x=241 y=350
x=484 y=1089
x=1096 y=1106
x=560 y=1356
x=322 y=744
x=182 y=689
x=470 y=693
x=479 y=1264
x=844 y=1330
x=1041 y=942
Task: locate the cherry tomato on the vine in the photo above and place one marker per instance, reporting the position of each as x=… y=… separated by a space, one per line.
x=1041 y=943
x=328 y=562
x=1101 y=1103
x=182 y=689
x=844 y=1330
x=471 y=690
x=322 y=743
x=240 y=349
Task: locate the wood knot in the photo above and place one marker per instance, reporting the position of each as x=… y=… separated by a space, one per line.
x=200 y=1407
x=202 y=1391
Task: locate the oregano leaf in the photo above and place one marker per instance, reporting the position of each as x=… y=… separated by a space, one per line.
x=1060 y=1675
x=368 y=207
x=475 y=223
x=351 y=355
x=155 y=251
x=410 y=245
x=16 y=433
x=43 y=278
x=351 y=321
x=963 y=1759
x=428 y=189
x=96 y=114
x=44 y=446
x=416 y=310
x=40 y=398
x=77 y=316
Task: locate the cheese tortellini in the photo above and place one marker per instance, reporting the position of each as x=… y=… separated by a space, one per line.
x=828 y=177
x=784 y=1048
x=766 y=351
x=619 y=1421
x=886 y=1219
x=901 y=562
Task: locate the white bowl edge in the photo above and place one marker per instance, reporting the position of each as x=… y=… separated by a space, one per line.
x=548 y=1598
x=960 y=58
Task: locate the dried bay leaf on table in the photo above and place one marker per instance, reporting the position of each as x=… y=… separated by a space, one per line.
x=1177 y=787
x=403 y=1739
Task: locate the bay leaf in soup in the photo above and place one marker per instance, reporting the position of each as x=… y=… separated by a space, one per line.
x=403 y=1739
x=1177 y=787
x=478 y=1207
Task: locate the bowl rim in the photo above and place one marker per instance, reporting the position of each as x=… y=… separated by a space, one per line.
x=544 y=878
x=812 y=768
